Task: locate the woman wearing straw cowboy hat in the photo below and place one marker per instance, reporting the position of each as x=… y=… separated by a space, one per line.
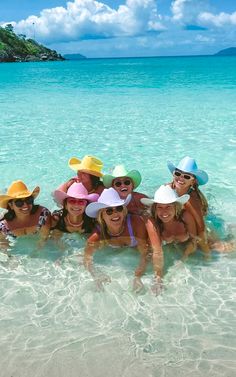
x=23 y=216
x=89 y=172
x=186 y=180
x=116 y=229
x=72 y=218
x=170 y=223
x=124 y=182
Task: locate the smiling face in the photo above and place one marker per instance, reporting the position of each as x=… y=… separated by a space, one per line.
x=75 y=207
x=165 y=212
x=183 y=181
x=113 y=216
x=123 y=185
x=23 y=206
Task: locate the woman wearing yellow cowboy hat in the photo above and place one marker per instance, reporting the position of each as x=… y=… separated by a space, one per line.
x=23 y=216
x=125 y=182
x=89 y=172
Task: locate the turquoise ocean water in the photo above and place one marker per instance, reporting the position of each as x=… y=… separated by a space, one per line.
x=141 y=112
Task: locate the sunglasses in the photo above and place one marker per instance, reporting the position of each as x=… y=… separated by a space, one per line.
x=80 y=202
x=20 y=202
x=109 y=211
x=178 y=173
x=126 y=182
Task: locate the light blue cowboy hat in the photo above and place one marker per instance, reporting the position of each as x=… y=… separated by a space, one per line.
x=189 y=165
x=120 y=171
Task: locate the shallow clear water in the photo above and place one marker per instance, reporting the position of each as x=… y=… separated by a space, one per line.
x=141 y=112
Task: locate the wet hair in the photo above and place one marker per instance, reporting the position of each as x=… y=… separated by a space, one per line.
x=178 y=214
x=10 y=215
x=103 y=225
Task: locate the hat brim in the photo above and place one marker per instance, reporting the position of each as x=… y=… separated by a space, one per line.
x=60 y=196
x=132 y=174
x=4 y=199
x=181 y=200
x=200 y=175
x=76 y=165
x=93 y=208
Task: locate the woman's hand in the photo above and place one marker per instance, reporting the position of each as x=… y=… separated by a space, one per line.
x=137 y=284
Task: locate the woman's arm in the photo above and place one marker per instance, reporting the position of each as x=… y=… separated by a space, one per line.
x=155 y=241
x=64 y=186
x=191 y=227
x=45 y=227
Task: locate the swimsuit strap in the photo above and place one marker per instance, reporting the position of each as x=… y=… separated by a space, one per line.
x=133 y=242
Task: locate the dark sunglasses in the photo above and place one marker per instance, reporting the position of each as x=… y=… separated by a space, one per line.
x=126 y=182
x=178 y=173
x=20 y=202
x=110 y=210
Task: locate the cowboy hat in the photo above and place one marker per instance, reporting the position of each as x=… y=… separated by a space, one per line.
x=120 y=171
x=77 y=191
x=165 y=195
x=108 y=198
x=17 y=190
x=189 y=165
x=89 y=164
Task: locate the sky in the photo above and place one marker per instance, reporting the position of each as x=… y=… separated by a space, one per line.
x=120 y=28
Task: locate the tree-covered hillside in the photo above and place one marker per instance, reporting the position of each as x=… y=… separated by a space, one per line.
x=16 y=48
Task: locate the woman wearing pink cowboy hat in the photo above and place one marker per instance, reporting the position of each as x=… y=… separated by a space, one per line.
x=117 y=229
x=72 y=218
x=170 y=223
x=186 y=180
x=89 y=173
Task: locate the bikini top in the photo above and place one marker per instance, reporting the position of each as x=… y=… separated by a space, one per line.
x=133 y=241
x=42 y=221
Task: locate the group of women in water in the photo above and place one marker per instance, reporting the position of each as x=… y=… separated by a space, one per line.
x=110 y=212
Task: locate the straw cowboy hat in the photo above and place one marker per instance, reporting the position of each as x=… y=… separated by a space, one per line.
x=165 y=195
x=109 y=198
x=89 y=164
x=77 y=191
x=17 y=190
x=189 y=165
x=120 y=171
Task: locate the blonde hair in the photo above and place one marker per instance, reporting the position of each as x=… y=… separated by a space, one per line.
x=103 y=225
x=178 y=214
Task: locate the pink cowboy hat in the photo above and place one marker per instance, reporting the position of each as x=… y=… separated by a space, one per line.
x=77 y=191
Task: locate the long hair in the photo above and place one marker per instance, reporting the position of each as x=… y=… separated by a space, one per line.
x=95 y=181
x=103 y=226
x=200 y=195
x=178 y=215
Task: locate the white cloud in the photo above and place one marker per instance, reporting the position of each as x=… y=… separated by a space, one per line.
x=219 y=20
x=204 y=39
x=90 y=19
x=187 y=11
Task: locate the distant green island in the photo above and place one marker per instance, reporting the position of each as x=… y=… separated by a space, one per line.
x=74 y=56
x=17 y=48
x=231 y=51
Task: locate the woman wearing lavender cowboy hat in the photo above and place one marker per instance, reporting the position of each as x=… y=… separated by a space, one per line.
x=72 y=218
x=118 y=229
x=187 y=178
x=125 y=182
x=170 y=223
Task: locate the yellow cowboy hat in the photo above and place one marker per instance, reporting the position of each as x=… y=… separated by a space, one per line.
x=17 y=190
x=89 y=164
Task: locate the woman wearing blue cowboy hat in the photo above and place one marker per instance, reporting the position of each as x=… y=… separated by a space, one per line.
x=186 y=180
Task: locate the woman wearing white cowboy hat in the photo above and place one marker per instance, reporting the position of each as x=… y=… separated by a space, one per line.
x=186 y=180
x=170 y=223
x=72 y=218
x=23 y=216
x=117 y=229
x=125 y=182
x=89 y=173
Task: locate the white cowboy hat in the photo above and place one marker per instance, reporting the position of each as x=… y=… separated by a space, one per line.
x=165 y=195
